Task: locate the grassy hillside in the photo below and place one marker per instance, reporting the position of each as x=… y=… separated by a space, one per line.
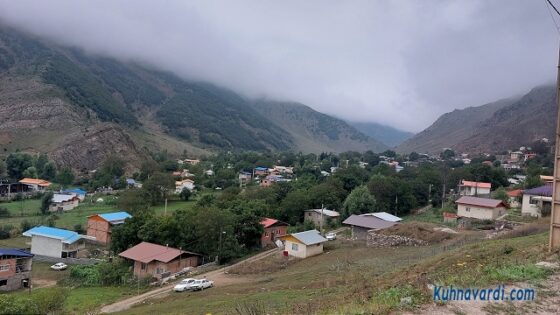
x=386 y=134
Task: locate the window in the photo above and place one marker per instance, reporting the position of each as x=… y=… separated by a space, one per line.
x=3 y=282
x=294 y=246
x=159 y=270
x=143 y=266
x=4 y=268
x=533 y=201
x=265 y=233
x=468 y=209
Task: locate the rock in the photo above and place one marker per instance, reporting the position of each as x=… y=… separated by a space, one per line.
x=406 y=300
x=379 y=240
x=547 y=265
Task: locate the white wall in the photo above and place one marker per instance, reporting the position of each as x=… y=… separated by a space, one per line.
x=479 y=212
x=45 y=246
x=303 y=251
x=532 y=209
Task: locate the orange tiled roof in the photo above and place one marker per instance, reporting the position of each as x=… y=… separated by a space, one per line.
x=515 y=193
x=34 y=181
x=476 y=184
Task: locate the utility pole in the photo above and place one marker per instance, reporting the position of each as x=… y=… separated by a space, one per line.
x=443 y=196
x=165 y=208
x=429 y=193
x=321 y=222
x=554 y=241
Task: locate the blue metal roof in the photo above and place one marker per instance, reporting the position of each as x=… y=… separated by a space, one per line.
x=65 y=236
x=310 y=237
x=115 y=216
x=261 y=168
x=545 y=190
x=14 y=252
x=77 y=191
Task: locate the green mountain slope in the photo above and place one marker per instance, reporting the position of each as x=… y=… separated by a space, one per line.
x=313 y=131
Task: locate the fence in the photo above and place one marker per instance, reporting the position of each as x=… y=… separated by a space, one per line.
x=68 y=261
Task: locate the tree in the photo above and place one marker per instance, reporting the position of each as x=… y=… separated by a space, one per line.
x=46 y=201
x=185 y=194
x=49 y=171
x=157 y=187
x=65 y=177
x=447 y=154
x=501 y=194
x=358 y=201
x=293 y=206
x=17 y=163
x=30 y=172
x=40 y=163
x=133 y=200
x=2 y=168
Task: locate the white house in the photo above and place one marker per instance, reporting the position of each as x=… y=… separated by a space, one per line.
x=303 y=244
x=468 y=188
x=53 y=242
x=185 y=183
x=480 y=208
x=64 y=202
x=535 y=199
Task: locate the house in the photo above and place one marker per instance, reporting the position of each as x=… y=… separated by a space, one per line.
x=272 y=179
x=100 y=225
x=547 y=179
x=282 y=169
x=191 y=162
x=80 y=193
x=536 y=199
x=54 y=242
x=362 y=164
x=158 y=261
x=244 y=178
x=273 y=229
x=515 y=156
x=514 y=198
x=321 y=216
x=468 y=188
x=480 y=208
x=303 y=244
x=209 y=172
x=35 y=184
x=361 y=224
x=15 y=269
x=64 y=202
x=260 y=170
x=325 y=173
x=182 y=184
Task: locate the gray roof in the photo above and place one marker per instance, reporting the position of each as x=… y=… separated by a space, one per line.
x=310 y=237
x=480 y=202
x=326 y=212
x=368 y=221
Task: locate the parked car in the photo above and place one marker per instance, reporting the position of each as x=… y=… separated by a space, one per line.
x=202 y=284
x=59 y=266
x=184 y=285
x=331 y=236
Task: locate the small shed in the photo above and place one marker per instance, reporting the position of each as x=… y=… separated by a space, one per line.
x=304 y=244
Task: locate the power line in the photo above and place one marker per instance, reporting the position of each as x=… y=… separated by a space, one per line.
x=551 y=15
x=552 y=5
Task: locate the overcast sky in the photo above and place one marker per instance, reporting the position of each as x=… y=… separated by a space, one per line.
x=401 y=63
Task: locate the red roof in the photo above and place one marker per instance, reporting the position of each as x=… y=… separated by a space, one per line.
x=34 y=181
x=146 y=252
x=476 y=184
x=481 y=202
x=268 y=222
x=515 y=193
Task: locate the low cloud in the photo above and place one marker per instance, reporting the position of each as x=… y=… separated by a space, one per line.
x=401 y=63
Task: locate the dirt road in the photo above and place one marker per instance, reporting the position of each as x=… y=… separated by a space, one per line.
x=219 y=276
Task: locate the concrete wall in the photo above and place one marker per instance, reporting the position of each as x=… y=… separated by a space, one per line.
x=471 y=191
x=19 y=269
x=532 y=209
x=481 y=213
x=45 y=246
x=64 y=206
x=359 y=233
x=303 y=251
x=173 y=266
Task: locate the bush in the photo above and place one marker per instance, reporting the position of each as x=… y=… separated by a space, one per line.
x=25 y=225
x=4 y=233
x=102 y=274
x=4 y=213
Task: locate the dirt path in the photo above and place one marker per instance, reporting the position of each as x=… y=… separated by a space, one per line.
x=546 y=303
x=219 y=276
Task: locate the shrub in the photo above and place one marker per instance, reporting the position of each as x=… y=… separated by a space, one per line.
x=4 y=212
x=516 y=273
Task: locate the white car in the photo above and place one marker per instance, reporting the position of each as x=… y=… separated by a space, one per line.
x=202 y=284
x=184 y=285
x=331 y=236
x=59 y=266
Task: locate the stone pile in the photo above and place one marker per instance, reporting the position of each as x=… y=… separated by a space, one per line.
x=378 y=240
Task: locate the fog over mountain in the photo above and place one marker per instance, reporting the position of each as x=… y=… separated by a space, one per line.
x=391 y=62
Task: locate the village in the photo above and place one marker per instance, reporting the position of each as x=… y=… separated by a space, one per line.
x=326 y=207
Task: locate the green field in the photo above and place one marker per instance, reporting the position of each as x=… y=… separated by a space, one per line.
x=76 y=216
